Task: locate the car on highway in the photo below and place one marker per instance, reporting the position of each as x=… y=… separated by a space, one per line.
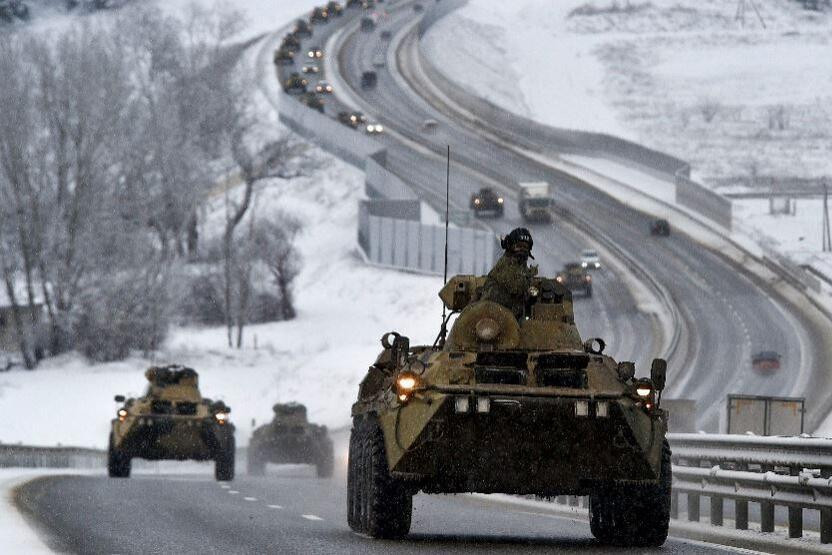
x=315 y=53
x=374 y=129
x=765 y=361
x=290 y=439
x=352 y=119
x=660 y=227
x=429 y=124
x=367 y=24
x=323 y=87
x=486 y=201
x=369 y=79
x=575 y=278
x=590 y=259
x=318 y=16
x=171 y=421
x=387 y=34
x=302 y=28
x=313 y=101
x=497 y=405
x=310 y=67
x=283 y=57
x=295 y=84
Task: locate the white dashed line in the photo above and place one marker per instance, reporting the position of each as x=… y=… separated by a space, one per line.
x=233 y=492
x=275 y=506
x=250 y=498
x=225 y=486
x=311 y=517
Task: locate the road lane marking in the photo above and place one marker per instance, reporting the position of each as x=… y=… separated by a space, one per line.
x=311 y=517
x=250 y=498
x=275 y=506
x=233 y=492
x=225 y=486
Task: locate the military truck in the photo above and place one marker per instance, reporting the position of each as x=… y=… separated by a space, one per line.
x=575 y=278
x=487 y=201
x=313 y=101
x=171 y=421
x=283 y=57
x=290 y=439
x=507 y=406
x=536 y=202
x=295 y=84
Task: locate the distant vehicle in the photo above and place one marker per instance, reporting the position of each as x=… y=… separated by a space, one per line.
x=575 y=278
x=353 y=3
x=536 y=201
x=418 y=8
x=766 y=361
x=368 y=4
x=352 y=119
x=291 y=42
x=429 y=124
x=315 y=53
x=590 y=259
x=295 y=84
x=367 y=24
x=283 y=57
x=319 y=15
x=323 y=87
x=313 y=101
x=310 y=67
x=334 y=9
x=487 y=201
x=374 y=129
x=660 y=227
x=386 y=34
x=302 y=29
x=290 y=439
x=369 y=79
x=171 y=421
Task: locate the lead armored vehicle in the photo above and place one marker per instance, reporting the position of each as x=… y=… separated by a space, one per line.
x=501 y=405
x=290 y=439
x=171 y=421
x=575 y=278
x=487 y=201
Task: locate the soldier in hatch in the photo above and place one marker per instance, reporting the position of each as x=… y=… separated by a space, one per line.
x=509 y=281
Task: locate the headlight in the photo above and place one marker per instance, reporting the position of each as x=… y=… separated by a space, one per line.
x=500 y=200
x=533 y=291
x=583 y=264
x=476 y=201
x=122 y=414
x=559 y=279
x=221 y=417
x=406 y=384
x=370 y=128
x=487 y=329
x=643 y=391
x=379 y=128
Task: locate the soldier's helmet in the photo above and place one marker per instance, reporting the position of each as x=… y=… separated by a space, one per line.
x=519 y=239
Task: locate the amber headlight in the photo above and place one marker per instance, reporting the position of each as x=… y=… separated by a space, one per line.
x=221 y=417
x=406 y=384
x=122 y=414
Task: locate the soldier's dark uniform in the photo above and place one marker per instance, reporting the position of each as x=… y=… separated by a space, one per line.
x=509 y=281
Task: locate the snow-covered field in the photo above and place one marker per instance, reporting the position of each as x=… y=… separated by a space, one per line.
x=318 y=359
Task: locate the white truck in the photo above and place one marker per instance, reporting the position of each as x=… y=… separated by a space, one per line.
x=536 y=201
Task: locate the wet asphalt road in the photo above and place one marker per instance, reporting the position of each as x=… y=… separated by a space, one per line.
x=288 y=511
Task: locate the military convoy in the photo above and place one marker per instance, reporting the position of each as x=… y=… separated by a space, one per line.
x=487 y=201
x=507 y=406
x=295 y=84
x=575 y=278
x=171 y=421
x=290 y=439
x=284 y=57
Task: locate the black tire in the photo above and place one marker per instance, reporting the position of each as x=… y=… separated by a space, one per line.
x=354 y=482
x=224 y=462
x=325 y=462
x=634 y=517
x=385 y=503
x=255 y=465
x=118 y=464
x=588 y=291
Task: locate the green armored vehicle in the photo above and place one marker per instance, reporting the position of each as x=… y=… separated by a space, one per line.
x=283 y=57
x=508 y=405
x=313 y=101
x=171 y=421
x=295 y=84
x=290 y=439
x=575 y=278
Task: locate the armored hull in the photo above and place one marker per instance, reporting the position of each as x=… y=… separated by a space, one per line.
x=290 y=439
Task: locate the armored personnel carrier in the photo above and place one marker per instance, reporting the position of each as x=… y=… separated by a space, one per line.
x=171 y=421
x=510 y=406
x=295 y=84
x=291 y=42
x=283 y=57
x=313 y=101
x=575 y=278
x=290 y=439
x=487 y=201
x=302 y=28
x=319 y=15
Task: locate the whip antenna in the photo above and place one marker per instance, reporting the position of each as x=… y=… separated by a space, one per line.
x=443 y=331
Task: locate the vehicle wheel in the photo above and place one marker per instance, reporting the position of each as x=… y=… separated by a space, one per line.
x=224 y=463
x=354 y=487
x=325 y=462
x=589 y=291
x=255 y=465
x=634 y=517
x=386 y=504
x=118 y=464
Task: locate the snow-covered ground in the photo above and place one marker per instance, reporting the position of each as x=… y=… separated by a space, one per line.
x=318 y=359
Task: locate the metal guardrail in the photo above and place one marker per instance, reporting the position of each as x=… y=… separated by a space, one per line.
x=29 y=456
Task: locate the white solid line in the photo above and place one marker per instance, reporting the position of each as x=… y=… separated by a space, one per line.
x=250 y=498
x=311 y=517
x=275 y=506
x=233 y=492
